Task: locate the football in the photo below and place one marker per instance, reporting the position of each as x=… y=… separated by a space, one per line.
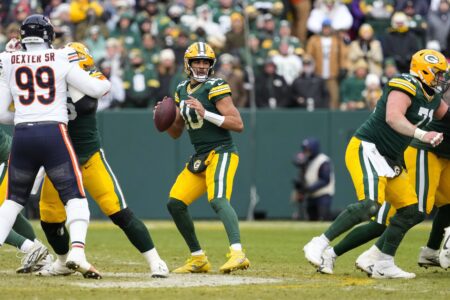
x=165 y=114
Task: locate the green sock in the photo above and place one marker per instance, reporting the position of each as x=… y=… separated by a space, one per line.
x=14 y=239
x=138 y=235
x=440 y=222
x=180 y=214
x=23 y=227
x=354 y=214
x=229 y=219
x=359 y=236
x=57 y=236
x=400 y=223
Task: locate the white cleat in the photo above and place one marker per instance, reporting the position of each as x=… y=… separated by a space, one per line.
x=444 y=255
x=76 y=261
x=428 y=257
x=33 y=258
x=159 y=269
x=367 y=259
x=386 y=269
x=56 y=268
x=314 y=249
x=328 y=260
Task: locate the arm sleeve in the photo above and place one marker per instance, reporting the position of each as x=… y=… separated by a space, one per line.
x=6 y=117
x=324 y=178
x=86 y=84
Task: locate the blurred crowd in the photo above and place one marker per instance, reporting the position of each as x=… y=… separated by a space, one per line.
x=331 y=54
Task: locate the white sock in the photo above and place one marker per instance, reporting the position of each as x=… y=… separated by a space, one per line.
x=197 y=253
x=8 y=214
x=26 y=246
x=324 y=239
x=78 y=214
x=331 y=250
x=375 y=250
x=151 y=256
x=236 y=247
x=62 y=258
x=384 y=256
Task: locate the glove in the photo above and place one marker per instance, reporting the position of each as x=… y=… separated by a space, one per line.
x=13 y=45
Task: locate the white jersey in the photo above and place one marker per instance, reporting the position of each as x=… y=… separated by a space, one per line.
x=37 y=82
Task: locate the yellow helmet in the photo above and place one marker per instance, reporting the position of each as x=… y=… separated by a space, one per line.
x=430 y=66
x=86 y=61
x=198 y=51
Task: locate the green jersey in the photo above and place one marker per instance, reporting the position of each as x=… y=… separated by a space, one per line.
x=5 y=145
x=83 y=133
x=443 y=150
x=205 y=136
x=375 y=130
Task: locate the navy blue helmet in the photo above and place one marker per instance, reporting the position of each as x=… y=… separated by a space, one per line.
x=36 y=29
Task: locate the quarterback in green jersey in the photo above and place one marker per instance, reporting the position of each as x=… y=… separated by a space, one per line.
x=206 y=110
x=98 y=180
x=374 y=159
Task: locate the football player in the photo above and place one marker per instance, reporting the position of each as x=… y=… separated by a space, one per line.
x=36 y=79
x=374 y=159
x=206 y=109
x=98 y=179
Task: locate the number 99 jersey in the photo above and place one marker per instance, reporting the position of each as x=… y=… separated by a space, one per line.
x=36 y=81
x=204 y=135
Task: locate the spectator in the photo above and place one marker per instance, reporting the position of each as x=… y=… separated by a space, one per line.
x=85 y=13
x=288 y=64
x=338 y=14
x=116 y=95
x=204 y=23
x=315 y=182
x=234 y=77
x=373 y=91
x=416 y=22
x=235 y=38
x=96 y=43
x=180 y=46
x=140 y=83
x=302 y=9
x=168 y=74
x=271 y=88
x=419 y=7
x=366 y=47
x=400 y=43
x=114 y=56
x=330 y=57
x=255 y=57
x=439 y=25
x=267 y=33
x=126 y=32
x=378 y=14
x=352 y=88
x=389 y=71
x=308 y=88
x=222 y=14
x=150 y=51
x=284 y=34
x=51 y=7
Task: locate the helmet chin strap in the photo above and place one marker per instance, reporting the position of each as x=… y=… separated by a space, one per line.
x=197 y=77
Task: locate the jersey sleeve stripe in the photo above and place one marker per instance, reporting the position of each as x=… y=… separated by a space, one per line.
x=225 y=91
x=403 y=87
x=404 y=82
x=214 y=89
x=177 y=98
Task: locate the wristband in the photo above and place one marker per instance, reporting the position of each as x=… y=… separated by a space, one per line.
x=214 y=118
x=419 y=134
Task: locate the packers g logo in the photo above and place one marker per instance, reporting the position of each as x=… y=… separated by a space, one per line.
x=431 y=58
x=197 y=164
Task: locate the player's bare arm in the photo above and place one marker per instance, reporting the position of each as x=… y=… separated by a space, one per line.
x=397 y=104
x=232 y=118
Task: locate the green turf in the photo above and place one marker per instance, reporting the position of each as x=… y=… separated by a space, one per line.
x=274 y=249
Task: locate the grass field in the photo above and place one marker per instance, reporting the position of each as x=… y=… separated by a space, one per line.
x=278 y=271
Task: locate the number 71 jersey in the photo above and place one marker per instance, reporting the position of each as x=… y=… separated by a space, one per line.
x=36 y=81
x=420 y=113
x=204 y=135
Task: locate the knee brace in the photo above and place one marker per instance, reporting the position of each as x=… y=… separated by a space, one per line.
x=122 y=218
x=77 y=210
x=407 y=217
x=175 y=205
x=53 y=229
x=364 y=210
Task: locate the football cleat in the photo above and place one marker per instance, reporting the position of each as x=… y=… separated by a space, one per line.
x=76 y=261
x=367 y=259
x=328 y=260
x=386 y=269
x=159 y=269
x=237 y=260
x=444 y=255
x=195 y=264
x=56 y=268
x=314 y=249
x=33 y=257
x=428 y=258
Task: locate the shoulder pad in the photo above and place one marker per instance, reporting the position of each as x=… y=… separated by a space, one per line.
x=405 y=83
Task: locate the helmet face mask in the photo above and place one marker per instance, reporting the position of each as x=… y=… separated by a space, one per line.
x=199 y=52
x=86 y=61
x=431 y=68
x=36 y=29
